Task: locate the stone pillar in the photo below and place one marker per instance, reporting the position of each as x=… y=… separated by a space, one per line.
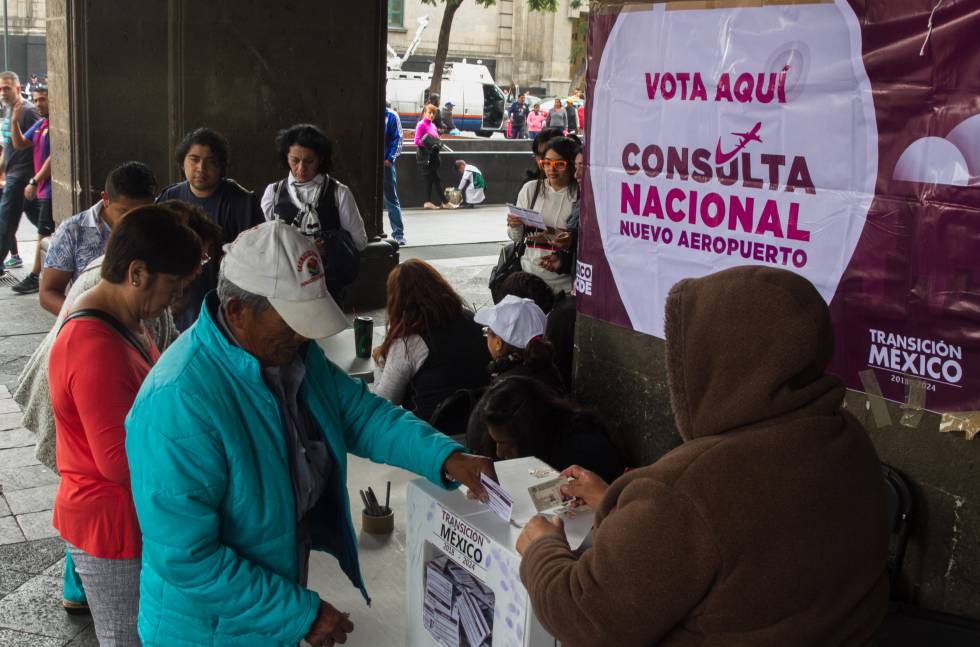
x=129 y=79
x=556 y=65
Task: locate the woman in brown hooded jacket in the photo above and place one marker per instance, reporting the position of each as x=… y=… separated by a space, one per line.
x=766 y=527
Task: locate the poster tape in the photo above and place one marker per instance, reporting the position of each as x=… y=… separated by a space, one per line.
x=965 y=421
x=915 y=402
x=877 y=402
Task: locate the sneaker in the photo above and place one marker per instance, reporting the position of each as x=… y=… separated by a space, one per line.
x=401 y=241
x=73 y=608
x=13 y=262
x=29 y=285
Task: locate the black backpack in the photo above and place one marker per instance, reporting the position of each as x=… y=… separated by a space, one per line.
x=341 y=260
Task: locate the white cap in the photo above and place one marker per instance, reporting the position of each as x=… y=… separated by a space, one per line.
x=276 y=261
x=515 y=320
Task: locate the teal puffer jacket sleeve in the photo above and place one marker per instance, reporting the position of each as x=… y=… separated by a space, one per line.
x=179 y=478
x=374 y=428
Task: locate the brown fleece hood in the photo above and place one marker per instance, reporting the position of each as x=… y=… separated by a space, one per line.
x=747 y=345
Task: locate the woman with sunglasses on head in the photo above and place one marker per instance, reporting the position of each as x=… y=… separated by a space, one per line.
x=553 y=197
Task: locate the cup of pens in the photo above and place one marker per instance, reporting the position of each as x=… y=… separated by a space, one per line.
x=377 y=519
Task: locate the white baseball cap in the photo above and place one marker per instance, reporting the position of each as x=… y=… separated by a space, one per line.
x=515 y=320
x=276 y=261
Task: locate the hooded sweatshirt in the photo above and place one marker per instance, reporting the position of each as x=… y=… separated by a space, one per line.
x=767 y=526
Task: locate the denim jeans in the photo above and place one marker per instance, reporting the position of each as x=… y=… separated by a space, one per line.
x=11 y=207
x=392 y=202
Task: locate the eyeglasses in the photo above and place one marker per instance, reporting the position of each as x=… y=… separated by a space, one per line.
x=205 y=260
x=558 y=165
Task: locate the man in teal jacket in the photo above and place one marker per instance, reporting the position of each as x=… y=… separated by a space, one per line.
x=237 y=446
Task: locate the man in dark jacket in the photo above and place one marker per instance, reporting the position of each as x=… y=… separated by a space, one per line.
x=447 y=117
x=571 y=117
x=766 y=527
x=202 y=157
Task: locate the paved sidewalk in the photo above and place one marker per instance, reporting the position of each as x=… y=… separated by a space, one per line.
x=31 y=553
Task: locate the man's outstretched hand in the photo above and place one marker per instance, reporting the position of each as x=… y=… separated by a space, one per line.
x=466 y=468
x=330 y=627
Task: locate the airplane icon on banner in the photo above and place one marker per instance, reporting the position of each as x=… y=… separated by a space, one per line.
x=744 y=139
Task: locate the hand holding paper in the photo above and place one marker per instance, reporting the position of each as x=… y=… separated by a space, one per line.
x=497 y=498
x=587 y=487
x=527 y=217
x=468 y=470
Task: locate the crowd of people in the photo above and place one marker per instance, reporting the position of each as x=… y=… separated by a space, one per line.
x=202 y=438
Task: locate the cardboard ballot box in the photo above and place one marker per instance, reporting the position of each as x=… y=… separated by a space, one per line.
x=464 y=586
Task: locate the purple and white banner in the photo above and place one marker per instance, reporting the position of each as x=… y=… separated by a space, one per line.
x=808 y=136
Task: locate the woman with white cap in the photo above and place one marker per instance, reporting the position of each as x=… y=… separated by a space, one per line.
x=514 y=329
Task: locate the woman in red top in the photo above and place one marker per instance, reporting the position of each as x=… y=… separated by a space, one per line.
x=96 y=366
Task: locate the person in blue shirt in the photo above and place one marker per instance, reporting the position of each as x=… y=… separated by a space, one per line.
x=237 y=446
x=393 y=147
x=202 y=157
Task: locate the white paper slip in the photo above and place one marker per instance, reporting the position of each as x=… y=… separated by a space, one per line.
x=529 y=217
x=547 y=495
x=499 y=501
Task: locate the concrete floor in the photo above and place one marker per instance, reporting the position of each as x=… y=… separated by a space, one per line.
x=461 y=244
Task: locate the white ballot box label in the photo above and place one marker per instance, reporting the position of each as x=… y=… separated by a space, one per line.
x=499 y=501
x=461 y=541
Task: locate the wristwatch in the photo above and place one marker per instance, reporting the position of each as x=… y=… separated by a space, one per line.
x=32 y=181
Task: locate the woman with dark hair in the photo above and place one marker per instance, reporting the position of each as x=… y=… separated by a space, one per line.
x=514 y=329
x=538 y=142
x=428 y=145
x=316 y=203
x=525 y=418
x=97 y=363
x=553 y=197
x=432 y=347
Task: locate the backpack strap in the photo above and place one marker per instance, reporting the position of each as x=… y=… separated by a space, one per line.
x=326 y=207
x=113 y=323
x=537 y=192
x=282 y=205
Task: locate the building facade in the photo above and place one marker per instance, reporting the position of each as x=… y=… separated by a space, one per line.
x=24 y=40
x=522 y=48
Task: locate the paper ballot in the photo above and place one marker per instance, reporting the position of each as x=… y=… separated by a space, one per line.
x=529 y=217
x=499 y=501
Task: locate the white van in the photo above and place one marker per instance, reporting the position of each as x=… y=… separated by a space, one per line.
x=478 y=102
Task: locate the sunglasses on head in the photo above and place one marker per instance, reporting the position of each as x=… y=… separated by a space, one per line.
x=558 y=165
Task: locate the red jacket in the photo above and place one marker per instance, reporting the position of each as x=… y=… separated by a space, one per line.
x=94 y=375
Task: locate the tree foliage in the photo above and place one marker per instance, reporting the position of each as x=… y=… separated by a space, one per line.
x=442 y=46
